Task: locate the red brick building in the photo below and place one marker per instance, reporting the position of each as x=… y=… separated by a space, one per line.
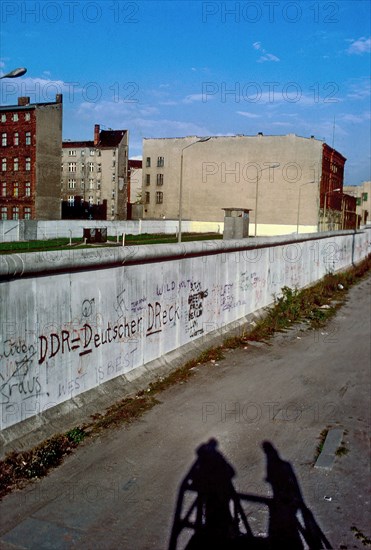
x=338 y=209
x=30 y=160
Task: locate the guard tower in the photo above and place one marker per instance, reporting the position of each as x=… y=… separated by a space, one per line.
x=236 y=223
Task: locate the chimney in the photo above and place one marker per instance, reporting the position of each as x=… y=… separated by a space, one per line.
x=23 y=101
x=96 y=134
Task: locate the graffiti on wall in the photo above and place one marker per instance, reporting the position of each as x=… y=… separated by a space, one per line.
x=19 y=380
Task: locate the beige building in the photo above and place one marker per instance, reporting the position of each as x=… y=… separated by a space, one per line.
x=288 y=182
x=363 y=195
x=97 y=170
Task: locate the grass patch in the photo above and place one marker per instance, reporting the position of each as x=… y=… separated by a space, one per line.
x=342 y=451
x=366 y=541
x=315 y=305
x=130 y=240
x=26 y=465
x=294 y=305
x=322 y=439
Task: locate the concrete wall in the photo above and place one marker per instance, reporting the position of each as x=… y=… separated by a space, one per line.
x=25 y=230
x=73 y=320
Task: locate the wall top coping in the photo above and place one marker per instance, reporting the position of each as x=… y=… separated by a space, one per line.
x=44 y=263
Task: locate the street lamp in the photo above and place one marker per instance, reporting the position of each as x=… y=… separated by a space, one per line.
x=202 y=140
x=324 y=206
x=257 y=192
x=15 y=73
x=297 y=220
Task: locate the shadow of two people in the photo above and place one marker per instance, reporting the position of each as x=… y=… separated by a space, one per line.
x=216 y=515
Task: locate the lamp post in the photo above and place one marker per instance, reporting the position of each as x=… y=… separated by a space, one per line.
x=300 y=187
x=15 y=73
x=257 y=192
x=324 y=206
x=202 y=140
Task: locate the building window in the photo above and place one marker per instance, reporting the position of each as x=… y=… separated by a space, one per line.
x=27 y=116
x=3 y=165
x=113 y=153
x=147 y=197
x=27 y=213
x=148 y=179
x=160 y=179
x=148 y=162
x=16 y=139
x=4 y=213
x=91 y=184
x=92 y=152
x=15 y=213
x=15 y=189
x=91 y=200
x=72 y=153
x=4 y=139
x=364 y=196
x=71 y=200
x=28 y=164
x=160 y=161
x=82 y=153
x=99 y=168
x=3 y=189
x=113 y=193
x=15 y=165
x=15 y=119
x=91 y=166
x=159 y=197
x=72 y=166
x=28 y=138
x=3 y=118
x=113 y=178
x=28 y=188
x=71 y=184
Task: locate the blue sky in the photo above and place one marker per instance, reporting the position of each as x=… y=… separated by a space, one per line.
x=176 y=68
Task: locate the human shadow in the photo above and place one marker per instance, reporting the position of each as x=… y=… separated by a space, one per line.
x=209 y=506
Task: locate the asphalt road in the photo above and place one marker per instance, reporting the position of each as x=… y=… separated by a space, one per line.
x=120 y=490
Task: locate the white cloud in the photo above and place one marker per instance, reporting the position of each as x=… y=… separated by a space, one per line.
x=283 y=124
x=360 y=46
x=193 y=97
x=359 y=89
x=266 y=55
x=248 y=115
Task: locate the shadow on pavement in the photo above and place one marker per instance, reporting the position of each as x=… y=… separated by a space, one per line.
x=210 y=508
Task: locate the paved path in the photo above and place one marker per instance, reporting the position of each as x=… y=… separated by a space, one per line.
x=120 y=490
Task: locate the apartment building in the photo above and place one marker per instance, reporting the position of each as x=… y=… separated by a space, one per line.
x=288 y=182
x=30 y=157
x=97 y=170
x=362 y=194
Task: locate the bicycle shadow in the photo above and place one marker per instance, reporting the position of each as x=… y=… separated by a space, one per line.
x=218 y=519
